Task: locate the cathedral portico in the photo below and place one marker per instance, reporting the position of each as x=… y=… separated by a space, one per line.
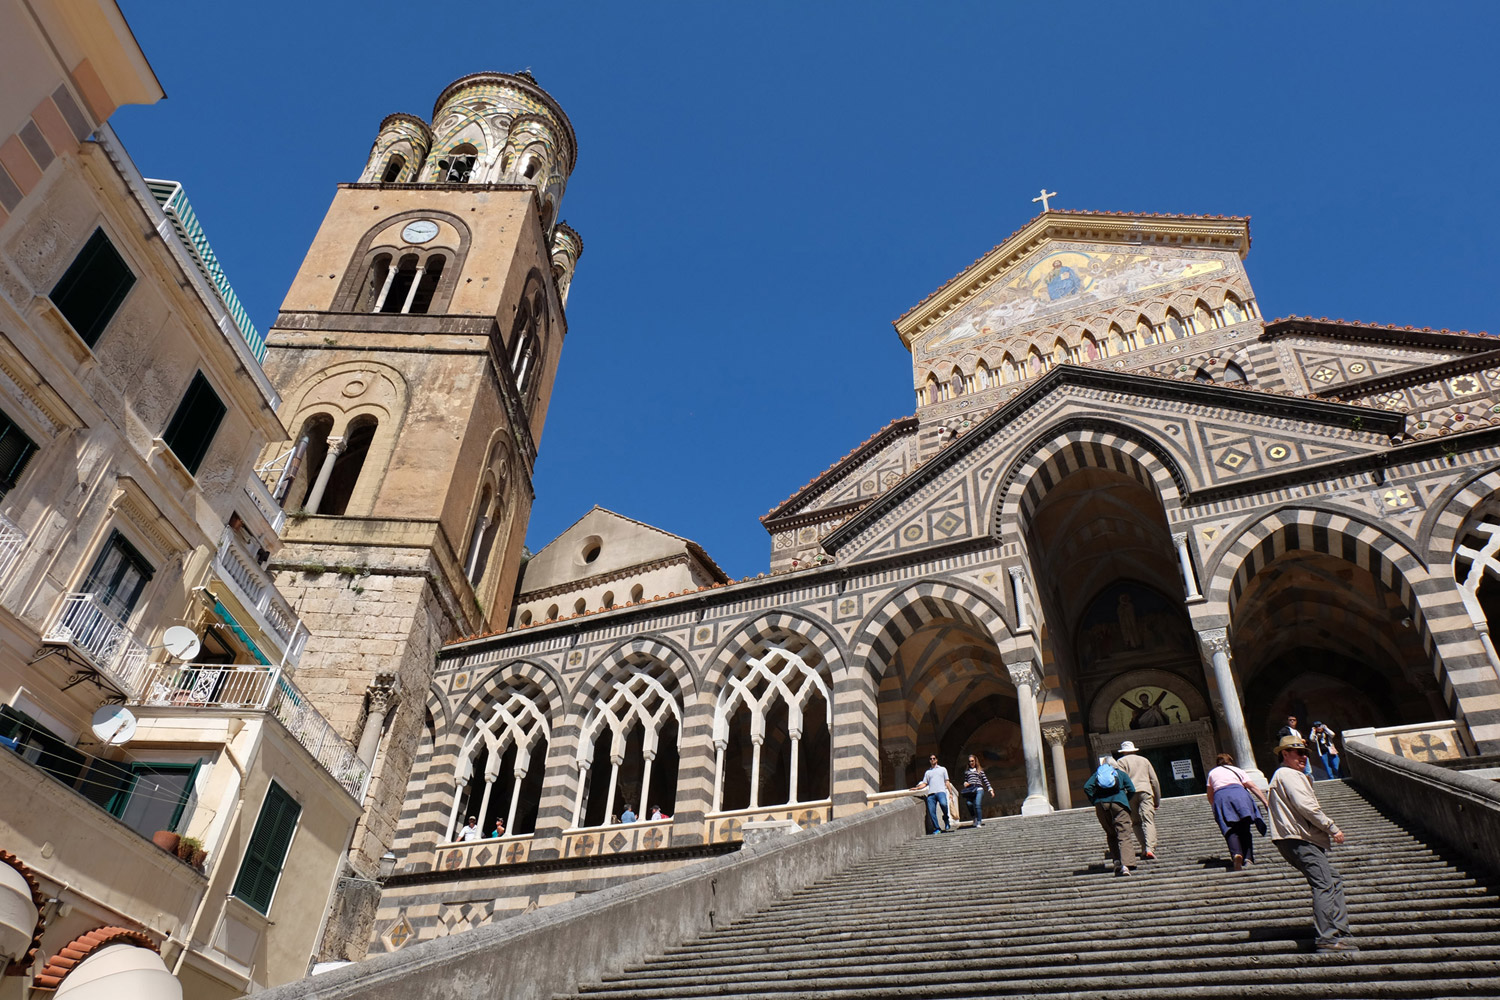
x=1173 y=536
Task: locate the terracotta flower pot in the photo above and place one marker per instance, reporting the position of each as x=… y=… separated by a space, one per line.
x=166 y=840
x=199 y=856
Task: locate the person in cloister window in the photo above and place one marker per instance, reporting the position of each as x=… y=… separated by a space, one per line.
x=628 y=816
x=656 y=813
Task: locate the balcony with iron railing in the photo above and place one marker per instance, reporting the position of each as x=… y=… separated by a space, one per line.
x=257 y=688
x=12 y=541
x=96 y=632
x=254 y=590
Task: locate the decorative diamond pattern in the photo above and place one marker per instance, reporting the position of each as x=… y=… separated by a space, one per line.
x=1325 y=374
x=948 y=523
x=619 y=842
x=1232 y=459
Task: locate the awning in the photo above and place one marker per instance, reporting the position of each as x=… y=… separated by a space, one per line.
x=234 y=627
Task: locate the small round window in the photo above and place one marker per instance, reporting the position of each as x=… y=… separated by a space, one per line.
x=592 y=546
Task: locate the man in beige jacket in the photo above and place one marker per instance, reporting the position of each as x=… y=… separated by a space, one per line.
x=1146 y=798
x=1303 y=833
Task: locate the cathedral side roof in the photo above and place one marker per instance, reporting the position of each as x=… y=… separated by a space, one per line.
x=1462 y=339
x=1209 y=231
x=899 y=427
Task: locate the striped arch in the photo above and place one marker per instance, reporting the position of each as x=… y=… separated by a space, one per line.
x=903 y=612
x=1310 y=529
x=478 y=707
x=748 y=637
x=1084 y=443
x=601 y=676
x=1441 y=534
x=1460 y=662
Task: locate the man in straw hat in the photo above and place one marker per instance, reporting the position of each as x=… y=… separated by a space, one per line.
x=1145 y=799
x=1303 y=833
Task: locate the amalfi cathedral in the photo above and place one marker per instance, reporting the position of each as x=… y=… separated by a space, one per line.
x=284 y=692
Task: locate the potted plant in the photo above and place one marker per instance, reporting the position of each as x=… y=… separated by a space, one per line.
x=190 y=849
x=167 y=840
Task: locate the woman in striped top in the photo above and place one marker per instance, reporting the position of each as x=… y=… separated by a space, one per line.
x=976 y=783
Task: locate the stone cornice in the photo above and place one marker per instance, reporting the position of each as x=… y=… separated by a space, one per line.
x=583 y=583
x=1413 y=376
x=1201 y=232
x=899 y=427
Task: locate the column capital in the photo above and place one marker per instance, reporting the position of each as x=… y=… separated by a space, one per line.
x=1025 y=673
x=1055 y=735
x=383 y=693
x=1179 y=538
x=335 y=444
x=899 y=754
x=1214 y=640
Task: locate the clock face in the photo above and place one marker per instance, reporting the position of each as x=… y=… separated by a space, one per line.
x=420 y=231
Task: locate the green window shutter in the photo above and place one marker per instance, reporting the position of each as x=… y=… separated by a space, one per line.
x=16 y=450
x=92 y=287
x=192 y=427
x=261 y=867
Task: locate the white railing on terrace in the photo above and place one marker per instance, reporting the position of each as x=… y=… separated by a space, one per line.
x=263 y=689
x=257 y=592
x=85 y=624
x=12 y=540
x=265 y=503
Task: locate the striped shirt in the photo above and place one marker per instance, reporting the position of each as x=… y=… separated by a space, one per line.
x=975 y=777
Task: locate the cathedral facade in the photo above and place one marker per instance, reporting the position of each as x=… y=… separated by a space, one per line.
x=1126 y=506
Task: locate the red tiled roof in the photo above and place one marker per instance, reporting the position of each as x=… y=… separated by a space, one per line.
x=1378 y=326
x=81 y=947
x=848 y=455
x=39 y=901
x=1059 y=211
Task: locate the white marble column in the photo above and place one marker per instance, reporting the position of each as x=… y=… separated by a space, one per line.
x=756 y=743
x=1185 y=560
x=900 y=756
x=796 y=736
x=315 y=498
x=382 y=696
x=1056 y=737
x=1214 y=643
x=583 y=784
x=1027 y=678
x=1018 y=587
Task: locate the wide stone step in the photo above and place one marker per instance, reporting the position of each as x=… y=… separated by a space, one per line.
x=1105 y=962
x=1473 y=944
x=1350 y=975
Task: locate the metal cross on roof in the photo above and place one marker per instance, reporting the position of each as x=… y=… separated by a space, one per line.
x=1043 y=199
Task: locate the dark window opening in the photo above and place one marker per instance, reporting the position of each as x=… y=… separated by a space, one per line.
x=400 y=285
x=393 y=168
x=261 y=868
x=1233 y=373
x=16 y=450
x=118 y=577
x=93 y=287
x=346 y=467
x=459 y=165
x=194 y=424
x=369 y=295
x=431 y=274
x=154 y=797
x=314 y=451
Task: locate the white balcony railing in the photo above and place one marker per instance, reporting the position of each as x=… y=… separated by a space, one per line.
x=257 y=592
x=12 y=540
x=258 y=688
x=86 y=625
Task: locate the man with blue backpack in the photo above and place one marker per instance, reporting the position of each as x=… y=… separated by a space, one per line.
x=1110 y=789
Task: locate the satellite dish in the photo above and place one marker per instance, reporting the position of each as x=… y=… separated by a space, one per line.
x=114 y=724
x=181 y=641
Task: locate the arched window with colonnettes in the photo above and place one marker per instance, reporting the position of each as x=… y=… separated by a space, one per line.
x=772 y=726
x=628 y=748
x=502 y=762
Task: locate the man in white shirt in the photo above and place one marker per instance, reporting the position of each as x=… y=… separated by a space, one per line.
x=935 y=781
x=1303 y=834
x=470 y=830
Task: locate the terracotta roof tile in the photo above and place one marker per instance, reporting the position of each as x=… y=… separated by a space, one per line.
x=1379 y=326
x=840 y=461
x=81 y=947
x=39 y=901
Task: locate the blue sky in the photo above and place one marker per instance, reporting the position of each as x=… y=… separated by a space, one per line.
x=762 y=188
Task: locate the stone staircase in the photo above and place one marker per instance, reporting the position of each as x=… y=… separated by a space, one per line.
x=1027 y=907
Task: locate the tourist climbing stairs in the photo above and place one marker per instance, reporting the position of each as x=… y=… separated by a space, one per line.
x=1028 y=907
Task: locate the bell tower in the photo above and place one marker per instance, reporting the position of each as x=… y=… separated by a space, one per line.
x=415 y=354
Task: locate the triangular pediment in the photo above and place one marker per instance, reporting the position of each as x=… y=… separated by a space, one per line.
x=602 y=543
x=1066 y=263
x=1214 y=441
